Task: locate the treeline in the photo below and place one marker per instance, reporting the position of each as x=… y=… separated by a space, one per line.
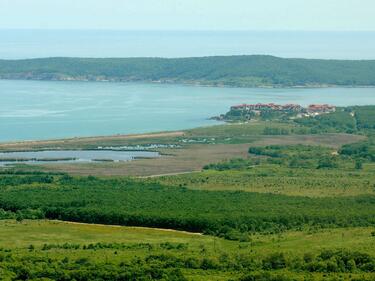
x=358 y=119
x=365 y=116
x=233 y=164
x=13 y=267
x=232 y=215
x=339 y=121
x=238 y=71
x=19 y=180
x=353 y=119
x=362 y=150
x=172 y=266
x=115 y=246
x=296 y=156
x=264 y=115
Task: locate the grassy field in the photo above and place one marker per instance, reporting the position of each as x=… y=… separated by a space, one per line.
x=282 y=180
x=18 y=236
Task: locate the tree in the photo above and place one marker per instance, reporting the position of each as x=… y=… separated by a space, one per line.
x=358 y=165
x=19 y=217
x=327 y=162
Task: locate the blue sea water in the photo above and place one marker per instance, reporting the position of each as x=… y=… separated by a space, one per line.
x=33 y=110
x=15 y=44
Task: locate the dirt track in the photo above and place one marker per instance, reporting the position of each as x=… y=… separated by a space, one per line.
x=24 y=145
x=133 y=227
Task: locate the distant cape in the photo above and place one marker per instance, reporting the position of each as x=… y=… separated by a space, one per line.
x=232 y=71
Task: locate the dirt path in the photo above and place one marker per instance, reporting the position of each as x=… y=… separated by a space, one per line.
x=133 y=227
x=169 y=174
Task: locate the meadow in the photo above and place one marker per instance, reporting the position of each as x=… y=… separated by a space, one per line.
x=38 y=250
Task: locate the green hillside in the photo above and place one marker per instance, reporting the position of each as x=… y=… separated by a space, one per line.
x=238 y=71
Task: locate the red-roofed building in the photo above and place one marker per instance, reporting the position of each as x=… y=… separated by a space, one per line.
x=321 y=108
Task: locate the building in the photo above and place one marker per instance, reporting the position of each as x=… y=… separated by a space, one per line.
x=268 y=106
x=320 y=108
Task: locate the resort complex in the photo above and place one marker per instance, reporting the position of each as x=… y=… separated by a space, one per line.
x=244 y=112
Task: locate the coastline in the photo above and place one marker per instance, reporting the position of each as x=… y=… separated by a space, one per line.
x=192 y=83
x=7 y=146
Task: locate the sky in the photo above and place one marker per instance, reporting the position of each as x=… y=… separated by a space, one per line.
x=320 y=15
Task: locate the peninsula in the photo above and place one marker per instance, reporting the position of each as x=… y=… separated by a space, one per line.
x=231 y=71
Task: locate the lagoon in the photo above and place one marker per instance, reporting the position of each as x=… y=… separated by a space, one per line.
x=36 y=110
x=72 y=156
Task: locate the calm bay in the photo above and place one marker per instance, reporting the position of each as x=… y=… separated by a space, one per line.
x=34 y=110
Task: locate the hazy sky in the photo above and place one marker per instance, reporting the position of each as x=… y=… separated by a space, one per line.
x=189 y=14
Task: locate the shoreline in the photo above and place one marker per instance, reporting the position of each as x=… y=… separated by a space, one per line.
x=195 y=83
x=66 y=141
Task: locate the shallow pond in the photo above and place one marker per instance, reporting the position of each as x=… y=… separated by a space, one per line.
x=67 y=156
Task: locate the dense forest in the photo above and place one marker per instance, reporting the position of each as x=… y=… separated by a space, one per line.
x=232 y=215
x=237 y=71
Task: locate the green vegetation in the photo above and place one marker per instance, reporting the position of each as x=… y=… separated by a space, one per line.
x=340 y=121
x=33 y=250
x=362 y=150
x=357 y=119
x=242 y=133
x=365 y=116
x=240 y=113
x=300 y=170
x=237 y=71
x=232 y=215
x=295 y=204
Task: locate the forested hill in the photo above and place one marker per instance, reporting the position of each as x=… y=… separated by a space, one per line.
x=237 y=71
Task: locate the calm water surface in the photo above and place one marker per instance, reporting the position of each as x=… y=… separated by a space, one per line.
x=78 y=155
x=15 y=44
x=33 y=110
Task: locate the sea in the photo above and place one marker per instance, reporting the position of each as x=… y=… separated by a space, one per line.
x=36 y=110
x=17 y=44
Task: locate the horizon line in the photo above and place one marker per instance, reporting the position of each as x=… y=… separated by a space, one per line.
x=184 y=57
x=183 y=30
